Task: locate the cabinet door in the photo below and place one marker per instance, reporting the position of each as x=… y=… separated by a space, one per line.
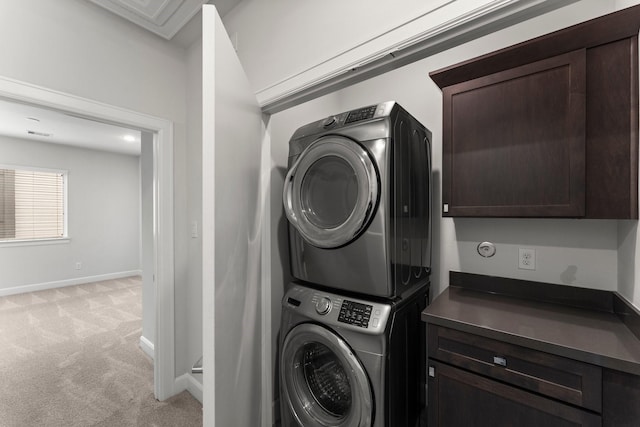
x=458 y=398
x=621 y=395
x=514 y=141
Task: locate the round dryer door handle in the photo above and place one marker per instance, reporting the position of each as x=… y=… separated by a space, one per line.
x=286 y=196
x=368 y=193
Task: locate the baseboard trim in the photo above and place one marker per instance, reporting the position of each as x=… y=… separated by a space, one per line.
x=191 y=384
x=68 y=282
x=146 y=346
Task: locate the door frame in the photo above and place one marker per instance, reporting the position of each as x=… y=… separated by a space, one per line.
x=163 y=245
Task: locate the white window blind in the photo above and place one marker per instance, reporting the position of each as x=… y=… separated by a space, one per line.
x=32 y=204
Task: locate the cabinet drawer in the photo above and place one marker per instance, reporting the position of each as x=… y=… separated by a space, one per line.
x=458 y=398
x=564 y=379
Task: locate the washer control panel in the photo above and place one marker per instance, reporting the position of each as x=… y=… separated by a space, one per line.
x=335 y=310
x=355 y=313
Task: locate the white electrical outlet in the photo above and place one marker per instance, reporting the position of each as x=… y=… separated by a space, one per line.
x=78 y=265
x=526 y=259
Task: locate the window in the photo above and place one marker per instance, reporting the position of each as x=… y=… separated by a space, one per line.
x=32 y=204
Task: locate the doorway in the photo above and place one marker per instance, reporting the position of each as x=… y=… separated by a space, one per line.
x=161 y=133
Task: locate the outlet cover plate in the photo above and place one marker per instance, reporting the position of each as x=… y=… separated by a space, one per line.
x=526 y=259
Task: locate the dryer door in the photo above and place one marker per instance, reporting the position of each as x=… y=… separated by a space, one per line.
x=323 y=382
x=331 y=192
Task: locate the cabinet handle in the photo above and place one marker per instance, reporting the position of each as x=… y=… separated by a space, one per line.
x=497 y=360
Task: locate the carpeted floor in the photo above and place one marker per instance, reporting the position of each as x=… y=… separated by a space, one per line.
x=70 y=357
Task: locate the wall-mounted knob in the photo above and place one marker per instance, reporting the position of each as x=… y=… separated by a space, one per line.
x=487 y=249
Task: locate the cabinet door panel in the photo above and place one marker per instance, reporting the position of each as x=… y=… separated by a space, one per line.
x=621 y=395
x=458 y=398
x=514 y=141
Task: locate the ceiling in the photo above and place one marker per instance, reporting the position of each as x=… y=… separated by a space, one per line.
x=170 y=19
x=162 y=17
x=41 y=124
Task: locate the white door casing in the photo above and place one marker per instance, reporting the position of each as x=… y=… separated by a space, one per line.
x=235 y=351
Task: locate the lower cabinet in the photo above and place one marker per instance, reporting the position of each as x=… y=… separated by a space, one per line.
x=476 y=381
x=620 y=399
x=461 y=398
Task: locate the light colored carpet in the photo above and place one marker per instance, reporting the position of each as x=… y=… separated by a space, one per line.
x=70 y=357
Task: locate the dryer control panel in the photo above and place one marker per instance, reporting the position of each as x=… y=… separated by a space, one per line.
x=338 y=311
x=361 y=114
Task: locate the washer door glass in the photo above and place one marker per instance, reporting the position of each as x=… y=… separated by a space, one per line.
x=331 y=191
x=327 y=379
x=322 y=380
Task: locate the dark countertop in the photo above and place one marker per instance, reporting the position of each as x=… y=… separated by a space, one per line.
x=591 y=336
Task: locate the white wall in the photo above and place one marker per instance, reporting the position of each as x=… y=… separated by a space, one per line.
x=103 y=218
x=313 y=41
x=78 y=48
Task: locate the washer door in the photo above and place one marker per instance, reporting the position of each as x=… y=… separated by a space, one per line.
x=323 y=383
x=331 y=191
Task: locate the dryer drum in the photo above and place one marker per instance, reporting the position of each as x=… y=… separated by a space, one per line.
x=329 y=178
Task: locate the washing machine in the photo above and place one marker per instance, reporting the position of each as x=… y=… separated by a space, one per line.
x=349 y=362
x=357 y=196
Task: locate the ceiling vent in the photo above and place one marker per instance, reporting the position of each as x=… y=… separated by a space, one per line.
x=35 y=133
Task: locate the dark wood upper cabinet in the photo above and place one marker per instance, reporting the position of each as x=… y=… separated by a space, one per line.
x=545 y=128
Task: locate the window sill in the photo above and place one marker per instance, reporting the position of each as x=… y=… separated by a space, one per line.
x=34 y=242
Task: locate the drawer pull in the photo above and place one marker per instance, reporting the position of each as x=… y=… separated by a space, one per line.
x=497 y=360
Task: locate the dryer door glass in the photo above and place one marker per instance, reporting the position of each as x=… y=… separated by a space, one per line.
x=331 y=192
x=322 y=381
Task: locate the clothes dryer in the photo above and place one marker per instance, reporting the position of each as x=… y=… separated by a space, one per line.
x=357 y=196
x=349 y=362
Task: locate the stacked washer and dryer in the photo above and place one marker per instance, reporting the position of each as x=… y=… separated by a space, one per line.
x=357 y=196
